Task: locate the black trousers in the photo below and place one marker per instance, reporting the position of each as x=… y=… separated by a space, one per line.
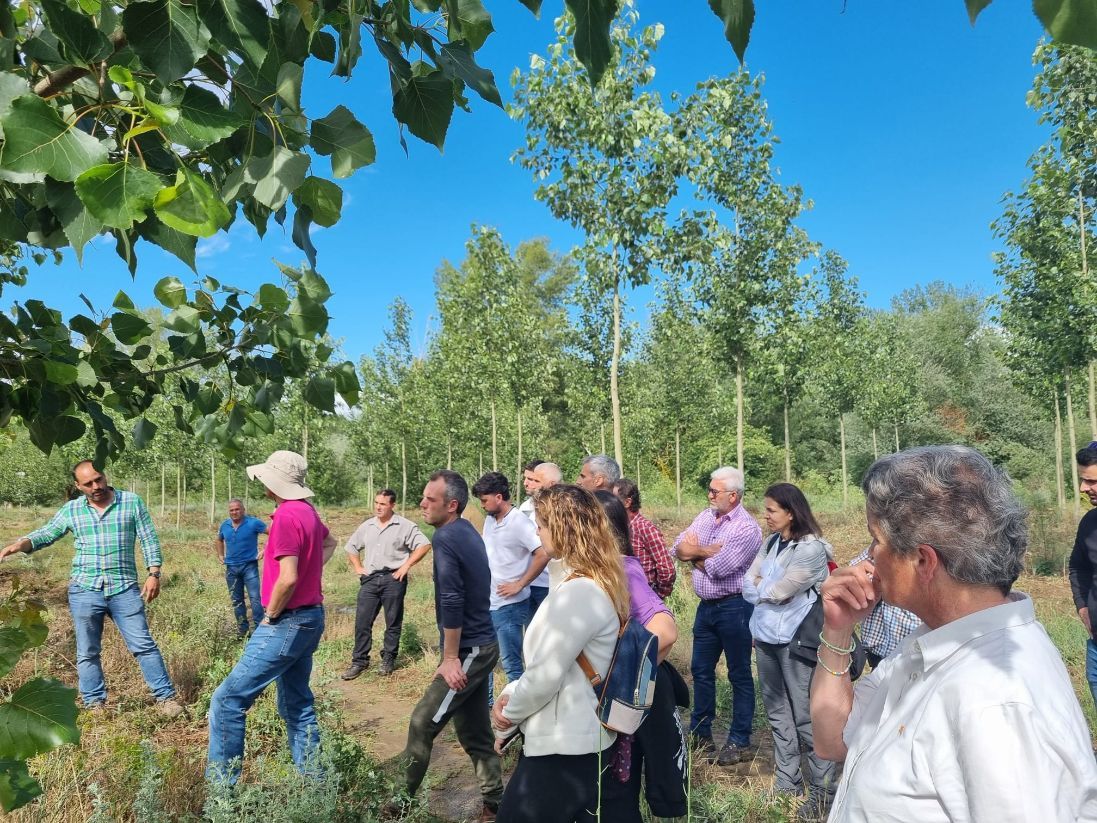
x=377 y=590
x=556 y=788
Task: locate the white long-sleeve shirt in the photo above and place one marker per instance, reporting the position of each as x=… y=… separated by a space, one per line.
x=974 y=722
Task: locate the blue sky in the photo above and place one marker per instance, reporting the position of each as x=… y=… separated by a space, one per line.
x=903 y=123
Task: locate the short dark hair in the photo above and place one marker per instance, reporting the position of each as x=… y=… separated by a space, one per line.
x=492 y=483
x=1087 y=455
x=84 y=462
x=532 y=464
x=627 y=488
x=389 y=493
x=792 y=500
x=618 y=519
x=456 y=488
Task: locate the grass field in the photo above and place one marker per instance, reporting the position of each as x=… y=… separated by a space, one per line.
x=132 y=766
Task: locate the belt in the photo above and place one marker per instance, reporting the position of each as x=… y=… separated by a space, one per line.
x=298 y=609
x=731 y=596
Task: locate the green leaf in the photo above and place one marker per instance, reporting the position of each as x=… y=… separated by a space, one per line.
x=349 y=143
x=170 y=292
x=738 y=17
x=272 y=298
x=277 y=175
x=143 y=432
x=174 y=242
x=592 y=43
x=13 y=642
x=17 y=787
x=11 y=87
x=124 y=302
x=47 y=432
x=129 y=328
x=974 y=7
x=306 y=316
x=457 y=60
x=184 y=320
x=86 y=375
x=320 y=393
x=38 y=717
x=324 y=199
x=288 y=85
x=322 y=46
x=471 y=22
x=57 y=371
x=37 y=140
x=346 y=382
x=79 y=224
x=191 y=206
x=301 y=236
x=425 y=105
x=532 y=5
x=427 y=6
x=242 y=25
x=84 y=43
x=1069 y=21
x=165 y=34
x=315 y=286
x=202 y=120
x=118 y=194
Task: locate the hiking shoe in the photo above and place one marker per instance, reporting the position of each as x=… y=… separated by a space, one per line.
x=730 y=754
x=169 y=709
x=353 y=671
x=488 y=812
x=387 y=666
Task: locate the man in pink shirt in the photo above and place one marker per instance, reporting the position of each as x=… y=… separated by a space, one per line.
x=281 y=648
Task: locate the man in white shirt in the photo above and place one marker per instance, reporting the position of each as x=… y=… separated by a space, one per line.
x=515 y=558
x=531 y=481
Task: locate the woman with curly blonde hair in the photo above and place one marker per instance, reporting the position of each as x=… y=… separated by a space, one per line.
x=552 y=704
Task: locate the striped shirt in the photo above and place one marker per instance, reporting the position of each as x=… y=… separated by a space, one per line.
x=740 y=537
x=105 y=541
x=884 y=629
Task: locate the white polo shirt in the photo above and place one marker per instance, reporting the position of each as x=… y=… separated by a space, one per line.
x=973 y=722
x=510 y=543
x=527 y=509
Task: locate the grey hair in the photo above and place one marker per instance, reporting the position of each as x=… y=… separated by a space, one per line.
x=953 y=499
x=549 y=473
x=236 y=500
x=604 y=466
x=730 y=477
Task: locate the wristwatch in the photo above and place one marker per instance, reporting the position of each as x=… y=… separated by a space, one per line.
x=155 y=574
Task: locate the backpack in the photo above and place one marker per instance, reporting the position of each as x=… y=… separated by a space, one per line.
x=626 y=693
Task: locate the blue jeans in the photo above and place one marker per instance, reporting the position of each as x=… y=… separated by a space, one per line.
x=1091 y=667
x=127 y=610
x=723 y=626
x=537 y=595
x=239 y=576
x=509 y=621
x=280 y=653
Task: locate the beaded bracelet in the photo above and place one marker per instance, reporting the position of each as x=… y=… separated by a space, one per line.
x=845 y=671
x=837 y=649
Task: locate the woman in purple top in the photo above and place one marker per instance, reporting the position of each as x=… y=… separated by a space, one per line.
x=658 y=749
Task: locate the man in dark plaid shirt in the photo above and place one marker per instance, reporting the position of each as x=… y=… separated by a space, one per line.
x=106 y=524
x=647 y=541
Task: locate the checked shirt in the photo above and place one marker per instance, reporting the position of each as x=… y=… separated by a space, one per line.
x=105 y=542
x=651 y=550
x=884 y=629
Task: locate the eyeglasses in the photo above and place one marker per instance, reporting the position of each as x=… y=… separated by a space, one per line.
x=717 y=492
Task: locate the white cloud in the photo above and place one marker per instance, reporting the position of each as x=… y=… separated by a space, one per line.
x=209 y=247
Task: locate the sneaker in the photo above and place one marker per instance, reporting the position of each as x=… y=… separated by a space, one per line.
x=730 y=754
x=170 y=708
x=99 y=707
x=488 y=812
x=353 y=671
x=387 y=667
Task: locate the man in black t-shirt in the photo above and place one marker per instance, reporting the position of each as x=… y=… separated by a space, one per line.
x=1083 y=560
x=459 y=690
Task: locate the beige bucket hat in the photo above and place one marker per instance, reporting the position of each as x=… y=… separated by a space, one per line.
x=284 y=474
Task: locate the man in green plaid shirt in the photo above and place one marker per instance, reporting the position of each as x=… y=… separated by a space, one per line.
x=106 y=524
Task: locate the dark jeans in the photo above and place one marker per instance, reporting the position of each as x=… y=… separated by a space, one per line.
x=723 y=627
x=559 y=788
x=537 y=595
x=469 y=710
x=377 y=590
x=240 y=576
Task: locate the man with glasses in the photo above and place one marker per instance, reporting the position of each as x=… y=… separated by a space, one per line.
x=720 y=545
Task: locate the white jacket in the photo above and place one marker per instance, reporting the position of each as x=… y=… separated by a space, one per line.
x=552 y=702
x=780 y=586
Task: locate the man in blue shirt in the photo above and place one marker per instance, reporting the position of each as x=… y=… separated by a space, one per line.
x=238 y=550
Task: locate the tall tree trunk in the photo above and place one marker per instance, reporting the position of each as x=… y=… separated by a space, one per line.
x=637 y=469
x=615 y=365
x=163 y=487
x=788 y=447
x=449 y=450
x=1060 y=494
x=305 y=440
x=602 y=436
x=1075 y=503
x=184 y=489
x=678 y=469
x=875 y=447
x=403 y=476
x=481 y=474
x=372 y=493
x=897 y=449
x=494 y=440
x=845 y=476
x=212 y=488
x=739 y=412
x=178 y=494
x=720 y=454
x=388 y=482
x=247 y=492
x=1092 y=404
x=228 y=479
x=519 y=488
